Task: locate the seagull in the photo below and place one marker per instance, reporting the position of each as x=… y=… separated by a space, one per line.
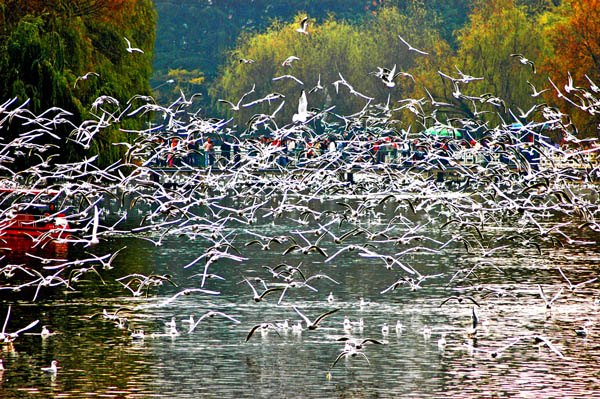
x=427 y=331
x=84 y=77
x=411 y=48
x=349 y=351
x=593 y=86
x=52 y=369
x=551 y=301
x=385 y=329
x=442 y=342
x=212 y=314
x=398 y=327
x=288 y=61
x=303 y=26
x=256 y=297
x=494 y=353
x=317 y=87
x=303 y=114
x=460 y=299
x=572 y=286
x=315 y=324
x=45 y=332
x=472 y=330
x=524 y=61
x=387 y=76
x=264 y=328
x=236 y=107
x=292 y=77
x=537 y=338
x=358 y=343
x=535 y=92
x=132 y=49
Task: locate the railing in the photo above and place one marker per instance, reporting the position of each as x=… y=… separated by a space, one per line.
x=398 y=157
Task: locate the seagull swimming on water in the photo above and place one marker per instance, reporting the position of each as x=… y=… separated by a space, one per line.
x=52 y=369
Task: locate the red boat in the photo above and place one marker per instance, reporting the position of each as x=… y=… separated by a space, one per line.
x=35 y=226
x=34 y=222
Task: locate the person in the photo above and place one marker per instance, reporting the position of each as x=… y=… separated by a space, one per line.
x=225 y=149
x=171 y=157
x=193 y=152
x=208 y=151
x=332 y=147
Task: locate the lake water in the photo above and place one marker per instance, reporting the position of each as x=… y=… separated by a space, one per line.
x=99 y=359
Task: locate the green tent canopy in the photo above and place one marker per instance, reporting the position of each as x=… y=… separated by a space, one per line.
x=443 y=132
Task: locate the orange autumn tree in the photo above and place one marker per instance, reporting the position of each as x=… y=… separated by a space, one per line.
x=574 y=33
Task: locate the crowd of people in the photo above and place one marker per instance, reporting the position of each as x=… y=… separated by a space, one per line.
x=227 y=150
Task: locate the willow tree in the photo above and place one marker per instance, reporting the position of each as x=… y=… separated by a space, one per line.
x=488 y=45
x=44 y=50
x=329 y=52
x=385 y=35
x=329 y=49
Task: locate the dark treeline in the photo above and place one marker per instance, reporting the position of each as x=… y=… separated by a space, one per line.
x=197 y=35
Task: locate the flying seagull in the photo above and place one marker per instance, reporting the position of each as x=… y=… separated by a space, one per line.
x=84 y=77
x=524 y=61
x=411 y=48
x=132 y=49
x=303 y=26
x=288 y=61
x=303 y=113
x=313 y=325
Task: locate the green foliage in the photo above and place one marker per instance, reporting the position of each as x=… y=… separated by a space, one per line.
x=494 y=32
x=42 y=55
x=332 y=48
x=199 y=34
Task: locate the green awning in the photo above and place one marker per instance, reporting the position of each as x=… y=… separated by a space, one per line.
x=443 y=132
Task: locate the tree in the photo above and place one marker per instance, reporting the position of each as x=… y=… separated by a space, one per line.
x=495 y=31
x=44 y=51
x=574 y=34
x=332 y=50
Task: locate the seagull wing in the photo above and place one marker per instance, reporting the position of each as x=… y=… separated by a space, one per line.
x=308 y=323
x=324 y=315
x=252 y=330
x=337 y=359
x=269 y=291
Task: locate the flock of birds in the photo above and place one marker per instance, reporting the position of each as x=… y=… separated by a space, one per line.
x=392 y=216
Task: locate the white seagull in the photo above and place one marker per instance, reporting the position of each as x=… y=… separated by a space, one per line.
x=411 y=48
x=52 y=369
x=132 y=49
x=303 y=26
x=303 y=113
x=288 y=61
